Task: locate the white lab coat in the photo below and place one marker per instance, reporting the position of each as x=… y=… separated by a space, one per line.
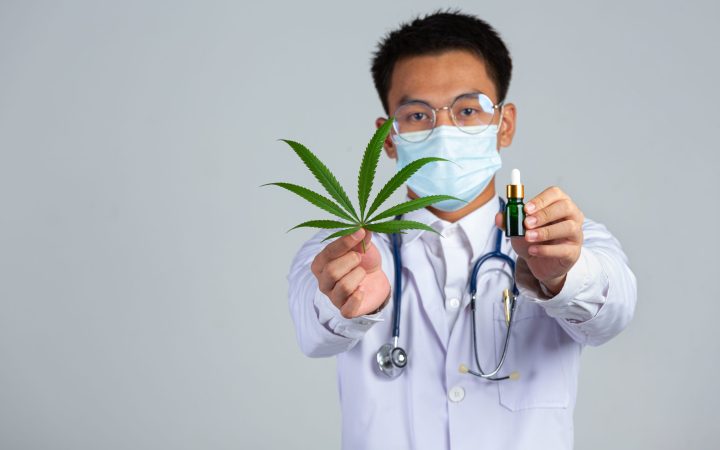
x=433 y=406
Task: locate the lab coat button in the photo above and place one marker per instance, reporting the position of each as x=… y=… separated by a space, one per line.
x=454 y=303
x=456 y=394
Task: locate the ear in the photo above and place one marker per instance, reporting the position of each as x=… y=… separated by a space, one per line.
x=507 y=126
x=388 y=145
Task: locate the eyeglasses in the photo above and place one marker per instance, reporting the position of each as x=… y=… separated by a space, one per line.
x=471 y=113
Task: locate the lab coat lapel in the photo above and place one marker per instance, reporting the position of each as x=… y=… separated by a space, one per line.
x=424 y=277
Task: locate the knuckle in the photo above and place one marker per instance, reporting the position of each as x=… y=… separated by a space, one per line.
x=339 y=247
x=345 y=311
x=544 y=233
x=567 y=260
x=315 y=266
x=544 y=216
x=332 y=273
x=577 y=225
x=348 y=287
x=568 y=252
x=576 y=228
x=342 y=288
x=325 y=285
x=350 y=307
x=562 y=206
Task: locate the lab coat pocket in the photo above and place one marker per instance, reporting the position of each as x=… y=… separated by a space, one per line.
x=534 y=352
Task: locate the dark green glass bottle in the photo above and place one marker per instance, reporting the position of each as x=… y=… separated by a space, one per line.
x=514 y=212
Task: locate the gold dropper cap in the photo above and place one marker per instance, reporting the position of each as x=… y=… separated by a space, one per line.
x=515 y=189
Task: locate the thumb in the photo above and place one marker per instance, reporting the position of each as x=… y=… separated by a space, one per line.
x=365 y=243
x=371 y=260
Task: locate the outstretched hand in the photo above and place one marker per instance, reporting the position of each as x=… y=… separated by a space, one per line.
x=352 y=279
x=553 y=237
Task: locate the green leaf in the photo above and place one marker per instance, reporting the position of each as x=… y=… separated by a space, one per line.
x=412 y=205
x=329 y=224
x=398 y=180
x=342 y=233
x=316 y=199
x=395 y=226
x=366 y=175
x=323 y=175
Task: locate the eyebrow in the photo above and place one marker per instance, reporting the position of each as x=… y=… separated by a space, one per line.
x=407 y=99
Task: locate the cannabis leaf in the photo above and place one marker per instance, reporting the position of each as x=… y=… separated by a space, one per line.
x=343 y=208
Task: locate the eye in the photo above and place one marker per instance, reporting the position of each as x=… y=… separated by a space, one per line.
x=467 y=112
x=417 y=117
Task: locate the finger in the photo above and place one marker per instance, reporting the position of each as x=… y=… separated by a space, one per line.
x=347 y=285
x=500 y=221
x=560 y=210
x=352 y=306
x=336 y=269
x=545 y=198
x=561 y=252
x=337 y=248
x=566 y=229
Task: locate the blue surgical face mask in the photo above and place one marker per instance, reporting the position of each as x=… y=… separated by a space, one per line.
x=474 y=157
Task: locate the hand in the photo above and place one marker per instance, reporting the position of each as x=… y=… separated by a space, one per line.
x=553 y=237
x=354 y=281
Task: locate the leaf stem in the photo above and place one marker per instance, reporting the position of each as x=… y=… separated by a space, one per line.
x=363 y=246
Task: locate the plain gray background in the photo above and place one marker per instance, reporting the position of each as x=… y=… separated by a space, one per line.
x=143 y=292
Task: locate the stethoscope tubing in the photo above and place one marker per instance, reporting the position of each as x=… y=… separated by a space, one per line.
x=496 y=253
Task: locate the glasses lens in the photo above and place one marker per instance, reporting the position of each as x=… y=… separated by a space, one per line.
x=414 y=121
x=473 y=113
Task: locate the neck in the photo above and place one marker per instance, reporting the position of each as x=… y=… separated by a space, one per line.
x=453 y=216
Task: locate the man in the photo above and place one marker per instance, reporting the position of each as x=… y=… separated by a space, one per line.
x=433 y=75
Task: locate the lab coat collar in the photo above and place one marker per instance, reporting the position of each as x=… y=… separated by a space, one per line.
x=477 y=227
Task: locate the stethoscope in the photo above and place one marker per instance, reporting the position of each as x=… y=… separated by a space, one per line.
x=392 y=359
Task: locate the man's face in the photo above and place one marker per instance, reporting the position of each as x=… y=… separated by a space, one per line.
x=438 y=80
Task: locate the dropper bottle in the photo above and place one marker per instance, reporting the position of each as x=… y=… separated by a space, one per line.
x=514 y=213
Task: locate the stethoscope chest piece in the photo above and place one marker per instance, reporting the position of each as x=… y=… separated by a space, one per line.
x=391 y=360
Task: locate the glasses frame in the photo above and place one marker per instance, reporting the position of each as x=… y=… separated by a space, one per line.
x=495 y=107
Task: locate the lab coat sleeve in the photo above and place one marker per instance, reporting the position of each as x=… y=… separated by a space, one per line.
x=598 y=298
x=320 y=328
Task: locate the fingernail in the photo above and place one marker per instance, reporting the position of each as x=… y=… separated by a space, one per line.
x=531 y=235
x=533 y=250
x=358 y=234
x=531 y=220
x=530 y=207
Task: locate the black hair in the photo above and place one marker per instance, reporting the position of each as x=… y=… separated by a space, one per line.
x=437 y=33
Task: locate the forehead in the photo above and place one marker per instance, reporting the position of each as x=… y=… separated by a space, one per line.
x=438 y=79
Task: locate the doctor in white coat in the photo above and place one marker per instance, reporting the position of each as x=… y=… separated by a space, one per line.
x=576 y=288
